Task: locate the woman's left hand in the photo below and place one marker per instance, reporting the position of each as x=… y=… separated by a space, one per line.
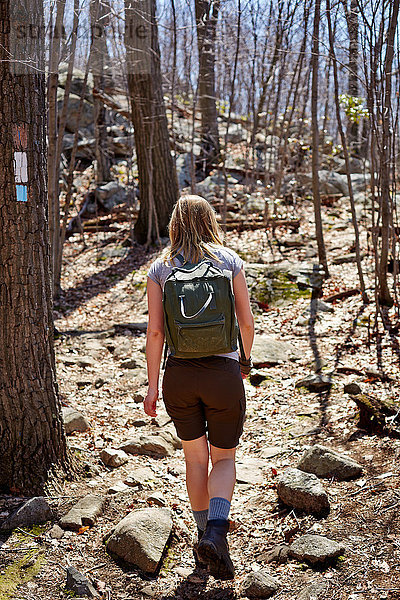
x=150 y=402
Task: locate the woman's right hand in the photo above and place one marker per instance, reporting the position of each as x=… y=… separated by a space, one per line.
x=150 y=402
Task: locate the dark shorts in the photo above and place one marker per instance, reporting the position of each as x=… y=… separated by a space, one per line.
x=205 y=395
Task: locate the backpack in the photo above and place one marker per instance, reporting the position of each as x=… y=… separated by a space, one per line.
x=199 y=311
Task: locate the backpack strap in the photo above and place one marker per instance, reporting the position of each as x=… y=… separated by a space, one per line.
x=242 y=354
x=180 y=258
x=165 y=355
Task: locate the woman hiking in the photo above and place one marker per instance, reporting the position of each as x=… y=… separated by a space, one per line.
x=194 y=291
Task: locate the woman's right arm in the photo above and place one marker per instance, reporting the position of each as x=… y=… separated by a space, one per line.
x=243 y=312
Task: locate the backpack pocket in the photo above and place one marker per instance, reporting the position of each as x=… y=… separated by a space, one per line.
x=200 y=337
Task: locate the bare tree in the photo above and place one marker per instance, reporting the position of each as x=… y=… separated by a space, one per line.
x=158 y=185
x=315 y=140
x=206 y=23
x=99 y=15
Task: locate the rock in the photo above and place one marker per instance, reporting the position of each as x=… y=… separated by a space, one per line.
x=34 y=511
x=345 y=258
x=151 y=445
x=122 y=145
x=255 y=205
x=113 y=458
x=270 y=452
x=256 y=377
x=315 y=383
x=270 y=351
x=81 y=361
x=111 y=194
x=320 y=306
x=140 y=476
x=117 y=488
x=156 y=498
x=84 y=512
x=77 y=80
x=75 y=114
x=352 y=389
x=236 y=133
x=278 y=554
x=74 y=420
x=56 y=533
x=259 y=585
x=169 y=435
x=323 y=462
x=141 y=538
x=303 y=491
x=250 y=470
x=139 y=395
x=79 y=584
x=315 y=549
x=315 y=591
x=129 y=363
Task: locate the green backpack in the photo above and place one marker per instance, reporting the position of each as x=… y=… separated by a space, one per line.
x=199 y=311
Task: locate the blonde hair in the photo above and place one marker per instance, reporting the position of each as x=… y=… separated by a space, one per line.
x=192 y=226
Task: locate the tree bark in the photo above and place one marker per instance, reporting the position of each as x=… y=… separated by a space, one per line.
x=158 y=184
x=32 y=439
x=206 y=23
x=315 y=140
x=385 y=159
x=98 y=14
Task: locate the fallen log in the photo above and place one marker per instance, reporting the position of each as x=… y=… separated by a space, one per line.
x=377 y=415
x=342 y=295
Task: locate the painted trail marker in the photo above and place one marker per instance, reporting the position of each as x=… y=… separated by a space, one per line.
x=20 y=139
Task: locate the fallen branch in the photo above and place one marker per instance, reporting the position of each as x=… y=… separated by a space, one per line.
x=342 y=295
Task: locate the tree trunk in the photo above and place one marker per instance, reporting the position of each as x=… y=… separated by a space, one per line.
x=206 y=23
x=385 y=159
x=315 y=140
x=53 y=166
x=98 y=17
x=352 y=28
x=158 y=184
x=32 y=440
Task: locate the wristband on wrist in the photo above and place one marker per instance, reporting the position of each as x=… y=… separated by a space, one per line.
x=246 y=365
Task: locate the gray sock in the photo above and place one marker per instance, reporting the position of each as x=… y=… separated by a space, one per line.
x=200 y=516
x=219 y=509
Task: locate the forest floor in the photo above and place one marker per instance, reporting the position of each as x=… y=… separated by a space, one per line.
x=104 y=288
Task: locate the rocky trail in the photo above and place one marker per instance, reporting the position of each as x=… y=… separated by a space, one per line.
x=316 y=508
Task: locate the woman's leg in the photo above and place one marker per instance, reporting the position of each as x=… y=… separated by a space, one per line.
x=196 y=458
x=222 y=478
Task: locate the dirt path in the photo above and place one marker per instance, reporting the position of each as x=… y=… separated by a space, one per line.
x=282 y=421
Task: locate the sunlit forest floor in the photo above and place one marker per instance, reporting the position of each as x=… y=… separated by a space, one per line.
x=104 y=294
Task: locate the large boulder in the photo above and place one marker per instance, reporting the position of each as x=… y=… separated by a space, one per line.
x=141 y=538
x=324 y=462
x=303 y=491
x=110 y=194
x=75 y=114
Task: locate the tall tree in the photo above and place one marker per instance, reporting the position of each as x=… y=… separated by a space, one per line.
x=158 y=184
x=32 y=440
x=206 y=24
x=315 y=139
x=351 y=13
x=99 y=15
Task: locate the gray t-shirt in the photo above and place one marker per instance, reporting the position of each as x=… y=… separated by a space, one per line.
x=228 y=261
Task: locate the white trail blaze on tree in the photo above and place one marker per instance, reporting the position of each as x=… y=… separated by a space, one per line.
x=32 y=440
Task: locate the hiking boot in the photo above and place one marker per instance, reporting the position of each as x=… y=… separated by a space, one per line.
x=213 y=549
x=200 y=564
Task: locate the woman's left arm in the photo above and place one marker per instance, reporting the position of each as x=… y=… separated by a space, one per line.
x=154 y=344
